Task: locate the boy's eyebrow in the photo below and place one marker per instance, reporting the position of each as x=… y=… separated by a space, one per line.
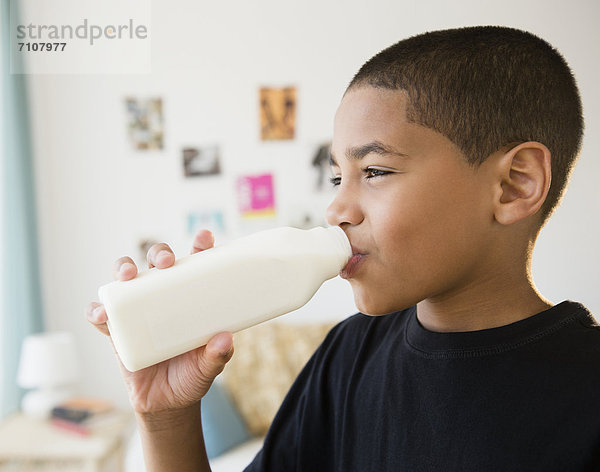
x=358 y=152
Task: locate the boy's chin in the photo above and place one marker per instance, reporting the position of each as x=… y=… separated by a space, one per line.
x=377 y=307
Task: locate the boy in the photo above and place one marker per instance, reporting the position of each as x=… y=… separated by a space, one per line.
x=450 y=151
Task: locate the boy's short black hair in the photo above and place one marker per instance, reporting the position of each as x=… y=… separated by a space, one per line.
x=484 y=88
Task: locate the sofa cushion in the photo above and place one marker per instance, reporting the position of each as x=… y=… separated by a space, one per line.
x=267 y=360
x=222 y=425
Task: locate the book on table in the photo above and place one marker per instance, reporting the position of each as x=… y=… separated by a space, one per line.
x=84 y=415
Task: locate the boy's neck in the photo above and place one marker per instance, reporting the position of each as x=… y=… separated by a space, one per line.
x=464 y=312
x=498 y=292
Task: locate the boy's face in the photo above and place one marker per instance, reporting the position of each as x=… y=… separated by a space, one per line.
x=418 y=216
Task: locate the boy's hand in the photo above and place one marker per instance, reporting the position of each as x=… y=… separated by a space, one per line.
x=179 y=382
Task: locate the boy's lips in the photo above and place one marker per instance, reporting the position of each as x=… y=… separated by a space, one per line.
x=354 y=262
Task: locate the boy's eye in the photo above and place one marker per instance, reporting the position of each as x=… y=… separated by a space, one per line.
x=370 y=173
x=373 y=172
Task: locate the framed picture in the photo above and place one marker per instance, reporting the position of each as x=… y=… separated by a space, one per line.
x=145 y=123
x=256 y=196
x=277 y=113
x=322 y=167
x=199 y=161
x=211 y=219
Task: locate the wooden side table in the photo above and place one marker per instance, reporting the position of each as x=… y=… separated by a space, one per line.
x=28 y=444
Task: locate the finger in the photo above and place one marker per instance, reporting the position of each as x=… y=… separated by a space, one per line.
x=96 y=315
x=220 y=345
x=203 y=240
x=160 y=255
x=124 y=268
x=215 y=355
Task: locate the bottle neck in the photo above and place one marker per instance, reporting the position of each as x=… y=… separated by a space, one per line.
x=340 y=238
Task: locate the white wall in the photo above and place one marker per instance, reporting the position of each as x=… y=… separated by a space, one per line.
x=96 y=196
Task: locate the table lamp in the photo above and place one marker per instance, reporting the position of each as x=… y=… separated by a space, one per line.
x=49 y=365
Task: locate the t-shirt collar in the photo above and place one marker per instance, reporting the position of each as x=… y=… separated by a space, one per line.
x=492 y=340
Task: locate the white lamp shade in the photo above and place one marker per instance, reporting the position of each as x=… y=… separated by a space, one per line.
x=48 y=360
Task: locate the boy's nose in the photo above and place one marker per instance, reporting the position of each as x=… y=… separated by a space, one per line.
x=344 y=209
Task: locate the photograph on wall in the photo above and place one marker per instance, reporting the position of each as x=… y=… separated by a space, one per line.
x=211 y=219
x=277 y=113
x=256 y=196
x=199 y=161
x=322 y=168
x=145 y=123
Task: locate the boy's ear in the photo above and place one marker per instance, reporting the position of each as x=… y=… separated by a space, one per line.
x=524 y=175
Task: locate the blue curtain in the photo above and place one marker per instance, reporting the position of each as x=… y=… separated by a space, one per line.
x=21 y=308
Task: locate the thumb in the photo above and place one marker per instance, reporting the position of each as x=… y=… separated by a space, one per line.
x=217 y=353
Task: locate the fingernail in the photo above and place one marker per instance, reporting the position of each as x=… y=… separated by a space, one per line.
x=97 y=312
x=163 y=254
x=224 y=346
x=124 y=268
x=225 y=349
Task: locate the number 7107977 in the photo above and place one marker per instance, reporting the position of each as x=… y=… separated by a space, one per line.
x=42 y=46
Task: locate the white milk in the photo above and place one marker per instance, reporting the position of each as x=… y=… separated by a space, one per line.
x=162 y=313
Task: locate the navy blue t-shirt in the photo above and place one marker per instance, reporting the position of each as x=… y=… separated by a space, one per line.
x=385 y=394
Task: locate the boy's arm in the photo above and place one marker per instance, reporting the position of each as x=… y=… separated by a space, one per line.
x=166 y=396
x=173 y=440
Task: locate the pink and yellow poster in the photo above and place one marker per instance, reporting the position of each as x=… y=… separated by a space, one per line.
x=256 y=196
